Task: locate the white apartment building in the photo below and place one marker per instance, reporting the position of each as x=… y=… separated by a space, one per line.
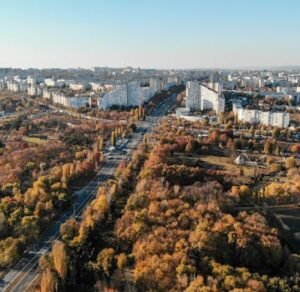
x=62 y=99
x=252 y=82
x=2 y=85
x=78 y=101
x=13 y=86
x=96 y=86
x=77 y=86
x=59 y=98
x=193 y=95
x=117 y=96
x=268 y=118
x=50 y=82
x=200 y=97
x=17 y=79
x=47 y=94
x=130 y=94
x=34 y=90
x=31 y=80
x=145 y=94
x=134 y=93
x=155 y=85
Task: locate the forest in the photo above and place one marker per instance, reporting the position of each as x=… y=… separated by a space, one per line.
x=43 y=160
x=168 y=221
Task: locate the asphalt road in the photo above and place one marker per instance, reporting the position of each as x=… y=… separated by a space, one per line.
x=22 y=275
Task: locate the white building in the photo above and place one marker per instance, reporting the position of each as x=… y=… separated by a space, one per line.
x=130 y=94
x=13 y=86
x=117 y=96
x=268 y=118
x=47 y=94
x=31 y=80
x=77 y=86
x=2 y=85
x=200 y=97
x=134 y=94
x=193 y=95
x=145 y=94
x=96 y=86
x=59 y=98
x=252 y=82
x=155 y=85
x=50 y=82
x=78 y=101
x=34 y=90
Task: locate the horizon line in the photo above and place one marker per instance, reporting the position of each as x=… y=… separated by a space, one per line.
x=159 y=68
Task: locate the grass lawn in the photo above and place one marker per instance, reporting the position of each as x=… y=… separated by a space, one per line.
x=227 y=164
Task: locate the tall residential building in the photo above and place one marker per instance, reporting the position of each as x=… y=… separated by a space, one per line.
x=47 y=94
x=2 y=85
x=155 y=85
x=117 y=96
x=130 y=94
x=134 y=94
x=193 y=95
x=34 y=90
x=200 y=97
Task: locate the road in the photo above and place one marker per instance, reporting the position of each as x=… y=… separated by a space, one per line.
x=23 y=274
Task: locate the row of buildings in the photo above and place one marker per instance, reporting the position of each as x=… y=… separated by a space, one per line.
x=123 y=93
x=130 y=94
x=202 y=97
x=255 y=116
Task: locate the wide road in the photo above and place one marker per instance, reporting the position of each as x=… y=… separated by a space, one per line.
x=23 y=274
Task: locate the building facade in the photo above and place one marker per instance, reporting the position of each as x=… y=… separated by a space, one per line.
x=268 y=118
x=201 y=97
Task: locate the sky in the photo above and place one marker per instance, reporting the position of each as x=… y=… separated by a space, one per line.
x=171 y=34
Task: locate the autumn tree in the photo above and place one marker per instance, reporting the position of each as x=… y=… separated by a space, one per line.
x=60 y=259
x=290 y=162
x=113 y=138
x=105 y=260
x=49 y=281
x=268 y=147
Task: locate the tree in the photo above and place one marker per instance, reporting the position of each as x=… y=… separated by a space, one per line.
x=275 y=132
x=121 y=261
x=49 y=281
x=277 y=150
x=190 y=146
x=105 y=260
x=101 y=143
x=113 y=138
x=60 y=259
x=290 y=162
x=228 y=125
x=268 y=147
x=295 y=148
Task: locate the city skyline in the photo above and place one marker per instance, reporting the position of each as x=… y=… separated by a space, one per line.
x=161 y=34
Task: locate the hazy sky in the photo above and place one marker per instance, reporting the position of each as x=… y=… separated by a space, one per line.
x=149 y=33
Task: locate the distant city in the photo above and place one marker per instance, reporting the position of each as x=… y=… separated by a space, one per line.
x=104 y=88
